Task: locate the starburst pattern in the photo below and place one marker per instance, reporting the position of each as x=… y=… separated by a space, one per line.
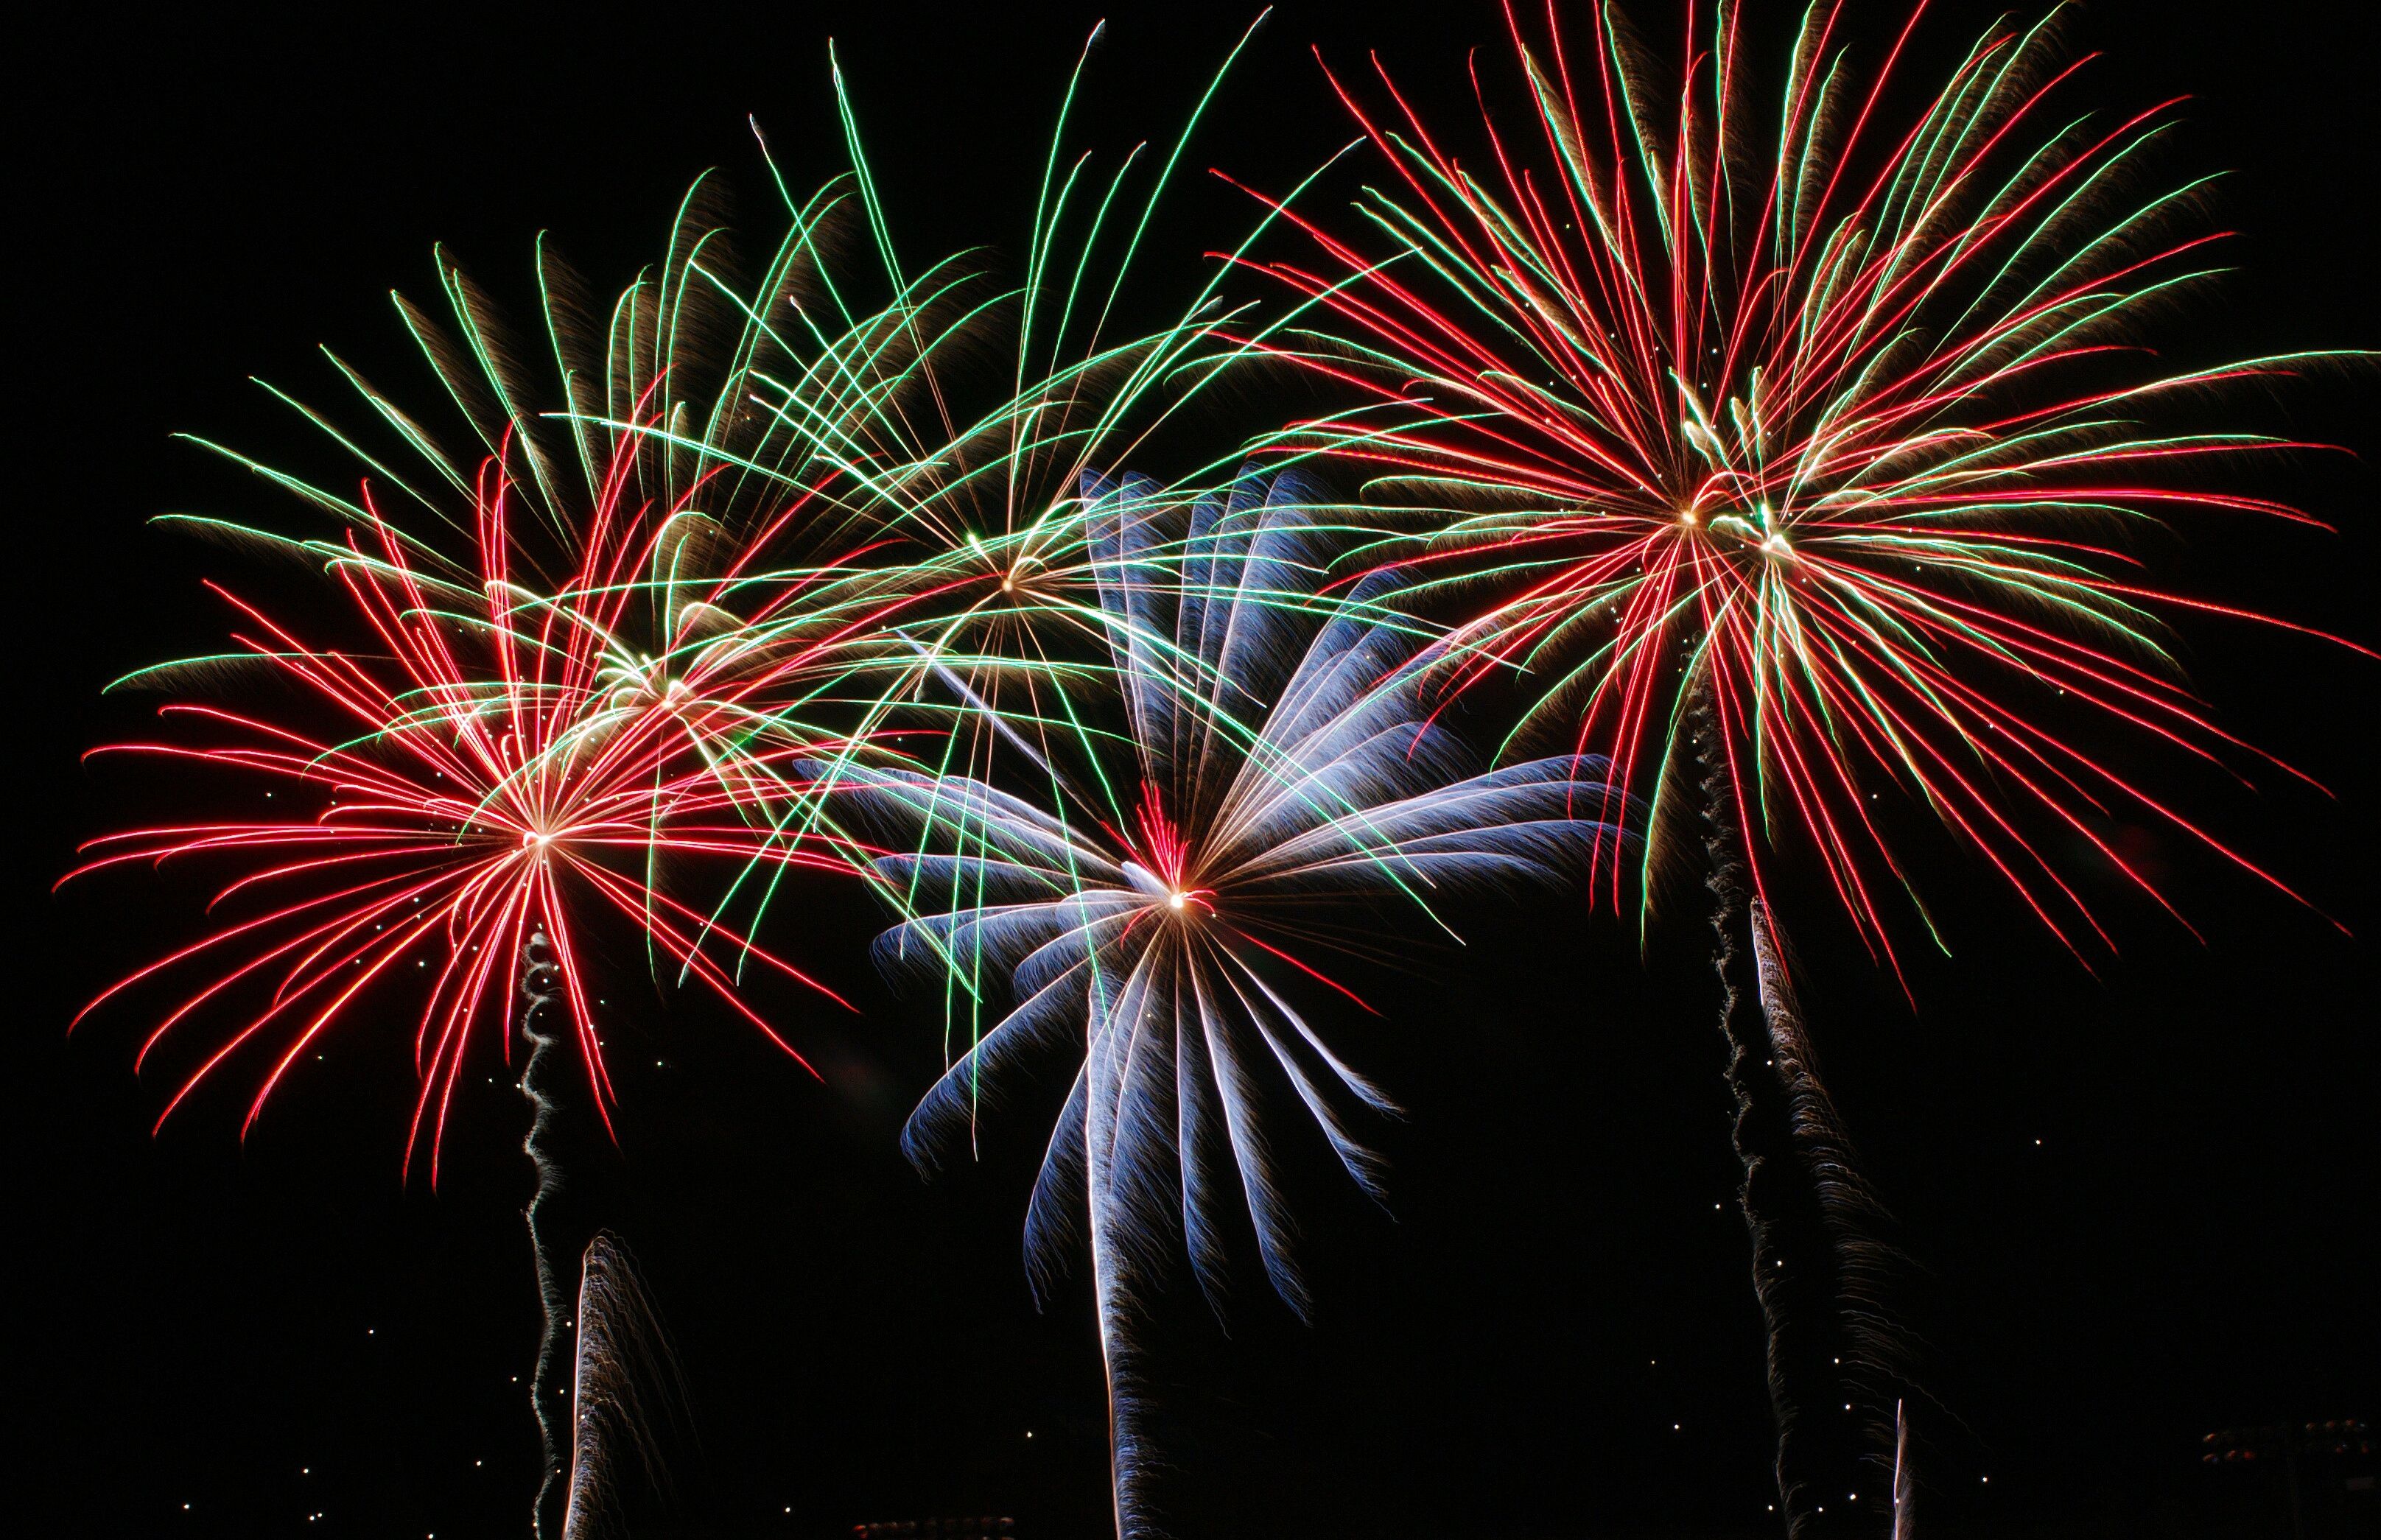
x=1156 y=929
x=1837 y=428
x=488 y=761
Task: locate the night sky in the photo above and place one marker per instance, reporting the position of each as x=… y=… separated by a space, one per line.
x=2139 y=1201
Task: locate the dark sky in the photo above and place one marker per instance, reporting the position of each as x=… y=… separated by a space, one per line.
x=2140 y=1204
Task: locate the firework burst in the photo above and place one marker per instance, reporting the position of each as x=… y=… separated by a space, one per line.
x=496 y=768
x=481 y=761
x=1786 y=444
x=1827 y=432
x=1154 y=928
x=988 y=573
x=570 y=717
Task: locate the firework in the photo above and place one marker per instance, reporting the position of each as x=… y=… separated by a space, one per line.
x=1839 y=443
x=1154 y=928
x=1785 y=447
x=483 y=756
x=977 y=593
x=485 y=769
x=985 y=582
x=742 y=522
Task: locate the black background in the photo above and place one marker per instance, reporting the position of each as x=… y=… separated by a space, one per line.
x=2141 y=1200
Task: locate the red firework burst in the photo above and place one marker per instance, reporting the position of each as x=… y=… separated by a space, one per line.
x=1823 y=435
x=494 y=761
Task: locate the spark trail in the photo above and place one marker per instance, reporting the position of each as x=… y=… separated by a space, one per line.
x=541 y=987
x=625 y=1390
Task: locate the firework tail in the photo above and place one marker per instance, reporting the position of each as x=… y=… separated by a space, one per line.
x=1796 y=1275
x=1868 y=1350
x=1119 y=1355
x=1902 y=1483
x=625 y=1388
x=540 y=988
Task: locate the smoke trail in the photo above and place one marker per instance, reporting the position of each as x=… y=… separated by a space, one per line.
x=1903 y=1484
x=1797 y=1274
x=1849 y=1207
x=1726 y=884
x=539 y=977
x=1112 y=1280
x=625 y=1389
x=1121 y=1358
